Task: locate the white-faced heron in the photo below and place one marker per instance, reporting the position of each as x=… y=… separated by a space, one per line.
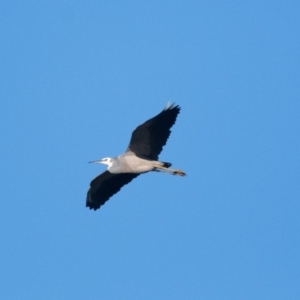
x=141 y=156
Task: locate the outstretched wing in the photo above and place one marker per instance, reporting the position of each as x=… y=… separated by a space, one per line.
x=104 y=186
x=148 y=139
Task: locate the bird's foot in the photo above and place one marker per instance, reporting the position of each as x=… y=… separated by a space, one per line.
x=178 y=172
x=169 y=170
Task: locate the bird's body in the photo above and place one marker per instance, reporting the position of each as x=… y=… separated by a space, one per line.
x=130 y=163
x=140 y=157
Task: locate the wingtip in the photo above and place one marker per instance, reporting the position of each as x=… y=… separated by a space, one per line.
x=91 y=206
x=89 y=203
x=171 y=106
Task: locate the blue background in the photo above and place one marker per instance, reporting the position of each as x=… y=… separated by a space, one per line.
x=78 y=76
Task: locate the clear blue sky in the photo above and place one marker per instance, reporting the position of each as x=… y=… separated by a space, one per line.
x=78 y=76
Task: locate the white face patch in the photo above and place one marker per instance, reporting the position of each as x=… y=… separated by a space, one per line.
x=106 y=161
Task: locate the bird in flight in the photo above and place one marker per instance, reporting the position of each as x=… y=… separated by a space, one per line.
x=141 y=156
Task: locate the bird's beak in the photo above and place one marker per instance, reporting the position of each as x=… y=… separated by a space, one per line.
x=95 y=161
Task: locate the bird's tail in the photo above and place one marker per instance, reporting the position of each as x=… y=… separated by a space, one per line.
x=166 y=164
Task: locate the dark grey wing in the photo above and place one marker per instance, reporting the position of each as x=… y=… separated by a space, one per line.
x=104 y=186
x=148 y=139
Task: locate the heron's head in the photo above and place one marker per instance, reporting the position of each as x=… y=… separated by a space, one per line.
x=105 y=161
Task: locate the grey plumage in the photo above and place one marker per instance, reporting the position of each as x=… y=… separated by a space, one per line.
x=141 y=156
